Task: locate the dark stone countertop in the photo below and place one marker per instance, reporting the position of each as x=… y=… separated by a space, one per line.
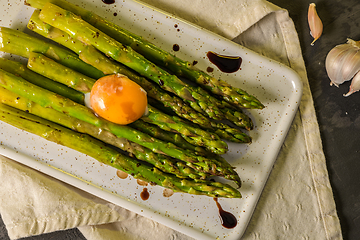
x=339 y=117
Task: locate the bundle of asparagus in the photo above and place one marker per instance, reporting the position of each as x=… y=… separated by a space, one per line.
x=105 y=154
x=178 y=143
x=229 y=93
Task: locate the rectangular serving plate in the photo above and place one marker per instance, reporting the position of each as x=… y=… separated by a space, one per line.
x=278 y=87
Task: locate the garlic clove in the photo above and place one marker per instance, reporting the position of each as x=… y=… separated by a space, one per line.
x=352 y=63
x=333 y=64
x=343 y=62
x=355 y=85
x=315 y=24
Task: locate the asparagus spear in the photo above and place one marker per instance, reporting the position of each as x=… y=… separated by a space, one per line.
x=95 y=58
x=237 y=116
x=195 y=135
x=164 y=163
x=107 y=155
x=233 y=95
x=21 y=70
x=233 y=135
x=57 y=72
x=18 y=68
x=81 y=30
x=166 y=136
x=12 y=41
x=48 y=99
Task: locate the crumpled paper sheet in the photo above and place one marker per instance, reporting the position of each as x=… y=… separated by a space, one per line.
x=297 y=199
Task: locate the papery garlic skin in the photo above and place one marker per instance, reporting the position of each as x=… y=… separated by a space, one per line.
x=355 y=85
x=343 y=62
x=315 y=23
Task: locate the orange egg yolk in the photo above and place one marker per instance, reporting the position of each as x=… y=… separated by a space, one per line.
x=118 y=99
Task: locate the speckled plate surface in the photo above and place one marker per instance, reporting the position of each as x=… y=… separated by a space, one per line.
x=276 y=86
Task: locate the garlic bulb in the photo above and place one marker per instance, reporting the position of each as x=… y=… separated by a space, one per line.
x=343 y=62
x=315 y=24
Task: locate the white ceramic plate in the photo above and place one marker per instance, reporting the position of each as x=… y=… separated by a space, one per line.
x=276 y=86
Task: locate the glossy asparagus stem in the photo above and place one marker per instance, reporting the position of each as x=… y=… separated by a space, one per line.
x=19 y=43
x=81 y=30
x=53 y=70
x=224 y=131
x=95 y=58
x=107 y=155
x=194 y=134
x=48 y=99
x=57 y=72
x=233 y=95
x=237 y=116
x=20 y=69
x=163 y=162
x=166 y=136
x=98 y=60
x=17 y=68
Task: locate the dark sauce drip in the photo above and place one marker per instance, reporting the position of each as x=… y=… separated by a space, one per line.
x=228 y=219
x=108 y=1
x=115 y=14
x=144 y=194
x=194 y=62
x=209 y=69
x=226 y=64
x=176 y=47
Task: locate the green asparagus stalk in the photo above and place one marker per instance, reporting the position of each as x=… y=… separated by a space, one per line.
x=20 y=69
x=194 y=135
x=48 y=99
x=53 y=70
x=93 y=57
x=57 y=72
x=12 y=41
x=107 y=155
x=233 y=135
x=166 y=136
x=164 y=163
x=81 y=30
x=233 y=95
x=237 y=116
x=97 y=59
x=224 y=131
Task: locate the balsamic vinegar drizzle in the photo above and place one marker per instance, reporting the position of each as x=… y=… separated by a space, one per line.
x=226 y=64
x=108 y=1
x=121 y=174
x=144 y=194
x=176 y=47
x=228 y=219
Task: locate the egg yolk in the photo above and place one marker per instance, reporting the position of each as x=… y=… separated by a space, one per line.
x=118 y=99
